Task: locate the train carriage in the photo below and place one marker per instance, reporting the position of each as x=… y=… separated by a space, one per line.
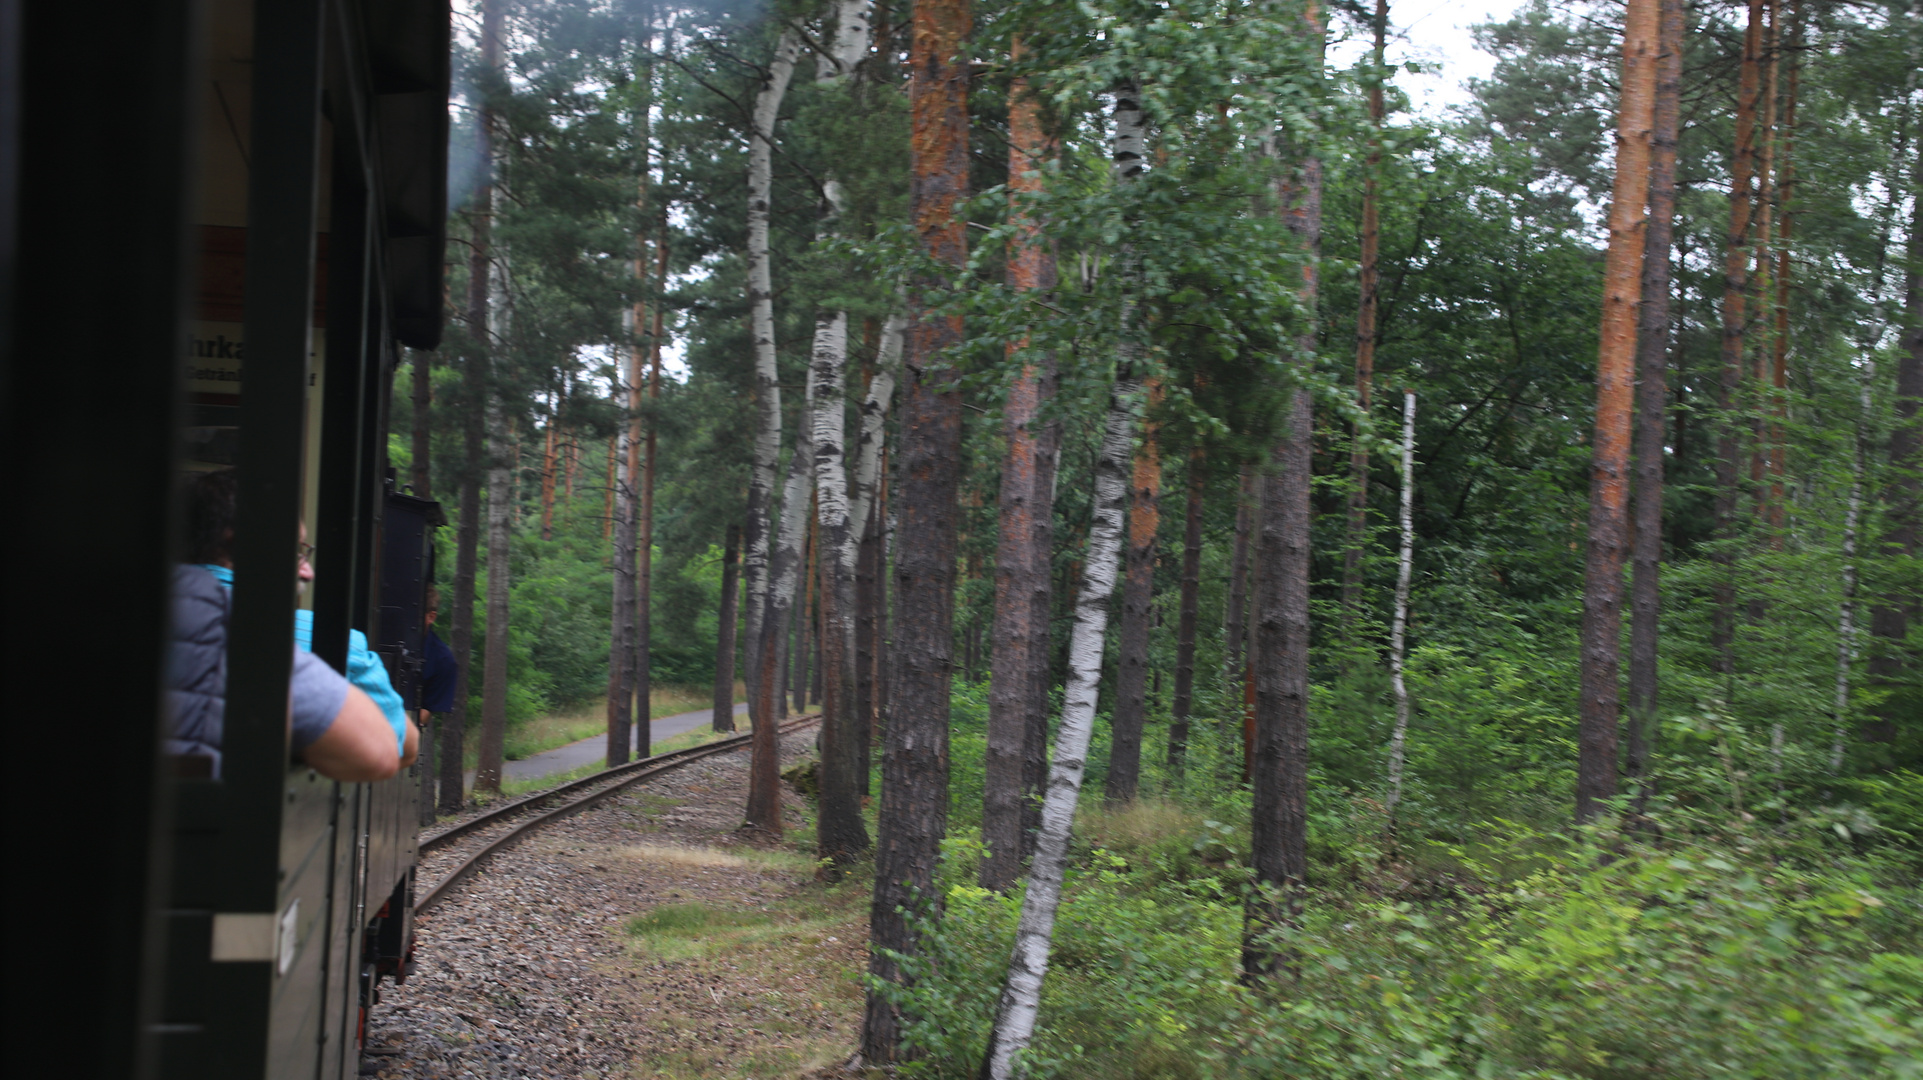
x=220 y=221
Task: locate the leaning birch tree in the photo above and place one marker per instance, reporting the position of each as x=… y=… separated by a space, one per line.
x=1021 y=997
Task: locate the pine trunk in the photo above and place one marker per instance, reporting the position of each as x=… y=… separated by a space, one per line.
x=1048 y=447
x=1138 y=615
x=476 y=392
x=1652 y=366
x=644 y=533
x=621 y=622
x=1365 y=332
x=1279 y=663
x=1235 y=623
x=914 y=786
x=784 y=569
x=1021 y=566
x=1736 y=285
x=1600 y=704
x=547 y=479
x=869 y=513
x=423 y=402
x=1779 y=367
x=1892 y=665
x=725 y=630
x=500 y=506
x=1178 y=731
x=1020 y=1002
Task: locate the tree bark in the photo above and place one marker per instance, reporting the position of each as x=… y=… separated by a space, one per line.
x=423 y=402
x=500 y=505
x=1020 y=1002
x=1652 y=364
x=1048 y=453
x=1736 y=285
x=1891 y=663
x=1235 y=628
x=644 y=532
x=547 y=479
x=870 y=512
x=784 y=568
x=840 y=831
x=725 y=631
x=1178 y=731
x=767 y=450
x=1138 y=614
x=1365 y=331
x=914 y=787
x=1399 y=621
x=1278 y=759
x=1779 y=367
x=1615 y=379
x=621 y=629
x=476 y=380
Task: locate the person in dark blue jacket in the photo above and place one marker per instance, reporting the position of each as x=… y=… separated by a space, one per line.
x=438 y=670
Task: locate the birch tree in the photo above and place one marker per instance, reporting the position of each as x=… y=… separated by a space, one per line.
x=1021 y=996
x=761 y=305
x=1399 y=620
x=764 y=770
x=841 y=832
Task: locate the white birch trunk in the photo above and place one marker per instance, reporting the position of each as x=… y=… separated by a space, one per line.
x=838 y=542
x=1021 y=995
x=874 y=416
x=849 y=45
x=1846 y=623
x=767 y=452
x=1021 y=999
x=1399 y=625
x=784 y=561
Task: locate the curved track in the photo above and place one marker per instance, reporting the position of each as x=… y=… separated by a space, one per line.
x=588 y=791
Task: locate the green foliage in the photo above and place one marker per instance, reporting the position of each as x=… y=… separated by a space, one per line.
x=1715 y=946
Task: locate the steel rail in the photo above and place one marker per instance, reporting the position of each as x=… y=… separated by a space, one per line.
x=624 y=776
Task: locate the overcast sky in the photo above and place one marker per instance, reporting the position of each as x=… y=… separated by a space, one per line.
x=1436 y=34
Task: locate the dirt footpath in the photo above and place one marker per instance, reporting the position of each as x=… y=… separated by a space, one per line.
x=643 y=938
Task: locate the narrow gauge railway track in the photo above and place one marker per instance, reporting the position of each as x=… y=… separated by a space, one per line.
x=586 y=792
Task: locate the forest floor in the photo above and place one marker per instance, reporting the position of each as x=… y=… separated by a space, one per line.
x=645 y=938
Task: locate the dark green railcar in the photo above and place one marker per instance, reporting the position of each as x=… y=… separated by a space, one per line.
x=220 y=222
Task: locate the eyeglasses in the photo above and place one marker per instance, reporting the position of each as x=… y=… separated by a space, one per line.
x=306 y=552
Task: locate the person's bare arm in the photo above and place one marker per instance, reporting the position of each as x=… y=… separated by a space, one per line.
x=358 y=746
x=411 y=749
